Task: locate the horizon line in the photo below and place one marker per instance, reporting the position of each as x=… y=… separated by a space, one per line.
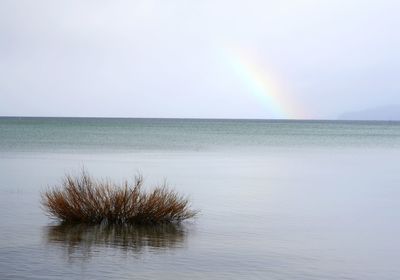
x=197 y=118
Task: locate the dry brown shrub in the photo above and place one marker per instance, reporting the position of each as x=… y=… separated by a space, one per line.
x=81 y=199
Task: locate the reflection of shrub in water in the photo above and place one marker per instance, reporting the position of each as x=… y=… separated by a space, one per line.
x=126 y=237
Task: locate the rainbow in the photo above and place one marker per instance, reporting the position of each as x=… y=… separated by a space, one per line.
x=263 y=86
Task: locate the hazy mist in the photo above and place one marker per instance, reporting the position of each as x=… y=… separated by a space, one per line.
x=171 y=58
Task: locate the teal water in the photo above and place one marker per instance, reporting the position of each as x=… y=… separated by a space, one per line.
x=278 y=199
x=133 y=135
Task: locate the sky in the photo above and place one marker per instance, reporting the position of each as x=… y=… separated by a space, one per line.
x=263 y=59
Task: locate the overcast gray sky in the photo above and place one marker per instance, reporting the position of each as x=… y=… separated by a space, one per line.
x=211 y=59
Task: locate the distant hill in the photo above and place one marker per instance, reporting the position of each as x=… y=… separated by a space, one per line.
x=384 y=113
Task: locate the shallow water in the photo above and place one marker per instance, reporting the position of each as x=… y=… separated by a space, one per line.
x=278 y=199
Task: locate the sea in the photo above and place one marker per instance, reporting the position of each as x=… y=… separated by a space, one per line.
x=277 y=199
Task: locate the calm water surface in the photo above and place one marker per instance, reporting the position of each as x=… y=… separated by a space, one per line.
x=278 y=199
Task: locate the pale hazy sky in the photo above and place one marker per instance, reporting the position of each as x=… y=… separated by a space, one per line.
x=212 y=59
